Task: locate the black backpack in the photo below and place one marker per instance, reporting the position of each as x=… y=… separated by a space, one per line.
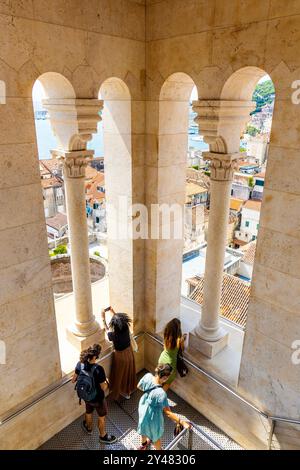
x=85 y=385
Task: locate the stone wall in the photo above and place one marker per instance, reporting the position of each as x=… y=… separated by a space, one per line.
x=62 y=275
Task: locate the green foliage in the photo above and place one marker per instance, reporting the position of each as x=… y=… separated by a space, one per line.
x=252 y=130
x=207 y=173
x=96 y=253
x=264 y=93
x=251 y=182
x=60 y=250
x=196 y=167
x=242 y=149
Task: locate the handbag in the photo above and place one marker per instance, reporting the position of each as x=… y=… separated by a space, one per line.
x=182 y=368
x=133 y=343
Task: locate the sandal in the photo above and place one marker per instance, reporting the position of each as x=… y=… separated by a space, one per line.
x=145 y=445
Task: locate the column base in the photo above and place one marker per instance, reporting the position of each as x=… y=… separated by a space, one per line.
x=84 y=342
x=206 y=347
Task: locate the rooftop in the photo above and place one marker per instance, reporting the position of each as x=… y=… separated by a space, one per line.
x=236 y=204
x=253 y=205
x=234 y=298
x=249 y=252
x=58 y=221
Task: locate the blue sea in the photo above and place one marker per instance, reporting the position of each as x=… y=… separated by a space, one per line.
x=46 y=140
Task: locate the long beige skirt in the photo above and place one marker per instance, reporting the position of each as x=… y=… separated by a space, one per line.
x=122 y=374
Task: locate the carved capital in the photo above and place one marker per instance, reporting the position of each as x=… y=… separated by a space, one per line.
x=222 y=166
x=74 y=163
x=73 y=121
x=218 y=120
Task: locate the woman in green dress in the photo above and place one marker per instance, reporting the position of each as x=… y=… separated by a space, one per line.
x=173 y=340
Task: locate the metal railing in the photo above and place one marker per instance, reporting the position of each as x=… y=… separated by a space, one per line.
x=190 y=431
x=273 y=418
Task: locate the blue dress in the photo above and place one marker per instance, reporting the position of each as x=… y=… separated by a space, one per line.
x=151 y=405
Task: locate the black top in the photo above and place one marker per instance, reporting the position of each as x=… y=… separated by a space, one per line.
x=121 y=339
x=98 y=375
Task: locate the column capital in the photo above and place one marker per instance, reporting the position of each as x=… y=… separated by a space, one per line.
x=73 y=121
x=222 y=165
x=220 y=120
x=74 y=163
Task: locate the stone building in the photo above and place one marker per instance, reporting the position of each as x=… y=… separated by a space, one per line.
x=145 y=57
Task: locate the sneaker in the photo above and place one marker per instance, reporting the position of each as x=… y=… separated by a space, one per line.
x=85 y=428
x=107 y=439
x=145 y=445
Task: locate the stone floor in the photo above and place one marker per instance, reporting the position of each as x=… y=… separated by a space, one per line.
x=122 y=422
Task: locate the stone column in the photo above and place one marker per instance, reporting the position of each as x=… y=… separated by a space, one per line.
x=73 y=122
x=211 y=338
x=221 y=122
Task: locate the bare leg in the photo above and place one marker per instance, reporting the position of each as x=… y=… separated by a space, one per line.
x=157 y=445
x=101 y=426
x=89 y=421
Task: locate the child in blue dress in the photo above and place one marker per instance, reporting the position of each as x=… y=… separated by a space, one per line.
x=152 y=406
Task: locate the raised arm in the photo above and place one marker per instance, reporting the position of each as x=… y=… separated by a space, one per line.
x=175 y=418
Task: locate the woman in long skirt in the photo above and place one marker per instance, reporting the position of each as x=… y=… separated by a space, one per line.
x=123 y=371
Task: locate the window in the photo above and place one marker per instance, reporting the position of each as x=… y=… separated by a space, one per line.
x=95 y=205
x=257 y=226
x=247 y=223
x=97 y=220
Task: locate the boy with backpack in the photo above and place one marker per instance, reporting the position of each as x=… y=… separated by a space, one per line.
x=91 y=384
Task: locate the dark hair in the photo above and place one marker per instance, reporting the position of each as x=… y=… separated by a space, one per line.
x=119 y=322
x=172 y=332
x=87 y=354
x=163 y=370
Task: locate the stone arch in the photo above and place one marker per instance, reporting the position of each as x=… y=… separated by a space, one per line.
x=56 y=85
x=167 y=177
x=241 y=84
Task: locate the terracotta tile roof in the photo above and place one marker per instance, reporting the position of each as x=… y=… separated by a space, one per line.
x=90 y=172
x=192 y=189
x=234 y=298
x=50 y=183
x=253 y=205
x=57 y=221
x=249 y=252
x=236 y=204
x=91 y=191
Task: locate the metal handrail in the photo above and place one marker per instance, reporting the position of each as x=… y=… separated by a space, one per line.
x=64 y=381
x=181 y=435
x=230 y=390
x=68 y=379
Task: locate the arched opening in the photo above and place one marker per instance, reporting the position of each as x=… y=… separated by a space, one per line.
x=108 y=214
x=249 y=83
x=168 y=179
x=55 y=87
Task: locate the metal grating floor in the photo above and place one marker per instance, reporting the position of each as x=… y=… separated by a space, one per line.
x=122 y=422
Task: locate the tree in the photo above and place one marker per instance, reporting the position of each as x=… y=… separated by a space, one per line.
x=60 y=250
x=264 y=93
x=252 y=130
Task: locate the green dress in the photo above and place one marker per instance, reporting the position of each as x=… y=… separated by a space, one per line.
x=169 y=356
